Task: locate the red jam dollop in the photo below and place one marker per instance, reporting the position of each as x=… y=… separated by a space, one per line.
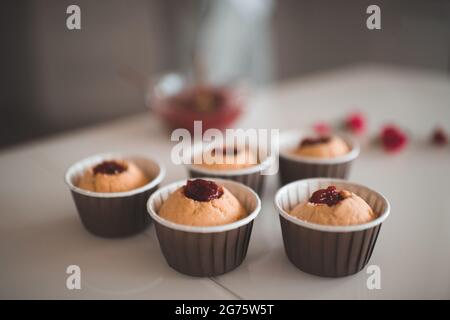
x=313 y=141
x=328 y=196
x=202 y=190
x=109 y=167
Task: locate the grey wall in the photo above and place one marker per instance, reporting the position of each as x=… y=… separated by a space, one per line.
x=58 y=79
x=54 y=79
x=311 y=35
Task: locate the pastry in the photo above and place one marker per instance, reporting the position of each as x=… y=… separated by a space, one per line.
x=334 y=207
x=113 y=176
x=322 y=147
x=229 y=158
x=202 y=203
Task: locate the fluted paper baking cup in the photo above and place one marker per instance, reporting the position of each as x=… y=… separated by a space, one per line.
x=114 y=214
x=328 y=251
x=205 y=251
x=295 y=167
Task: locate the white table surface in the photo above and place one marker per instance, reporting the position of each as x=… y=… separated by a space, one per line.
x=40 y=232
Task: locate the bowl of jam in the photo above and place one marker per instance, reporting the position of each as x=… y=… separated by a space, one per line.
x=179 y=103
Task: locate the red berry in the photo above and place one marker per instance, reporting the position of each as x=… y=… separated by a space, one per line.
x=439 y=137
x=393 y=138
x=322 y=128
x=356 y=123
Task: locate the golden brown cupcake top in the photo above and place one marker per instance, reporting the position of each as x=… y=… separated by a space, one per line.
x=229 y=158
x=202 y=203
x=322 y=147
x=113 y=176
x=336 y=208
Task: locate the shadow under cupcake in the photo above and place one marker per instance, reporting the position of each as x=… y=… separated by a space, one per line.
x=110 y=192
x=330 y=226
x=204 y=225
x=307 y=155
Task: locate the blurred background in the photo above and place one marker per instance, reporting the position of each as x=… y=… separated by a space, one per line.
x=54 y=79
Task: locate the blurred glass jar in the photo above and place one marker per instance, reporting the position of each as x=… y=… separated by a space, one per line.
x=179 y=103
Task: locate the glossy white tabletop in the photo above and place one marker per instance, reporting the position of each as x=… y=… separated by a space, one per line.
x=40 y=232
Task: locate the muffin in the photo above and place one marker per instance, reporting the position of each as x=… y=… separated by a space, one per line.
x=202 y=203
x=242 y=164
x=204 y=225
x=113 y=176
x=322 y=147
x=334 y=208
x=306 y=155
x=330 y=226
x=110 y=192
x=228 y=158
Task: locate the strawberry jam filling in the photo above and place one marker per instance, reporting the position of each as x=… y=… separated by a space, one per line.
x=313 y=141
x=109 y=167
x=328 y=196
x=202 y=190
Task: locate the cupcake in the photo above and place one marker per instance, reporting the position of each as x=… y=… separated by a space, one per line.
x=204 y=225
x=330 y=226
x=243 y=164
x=325 y=147
x=113 y=176
x=227 y=158
x=334 y=208
x=110 y=192
x=305 y=155
x=202 y=203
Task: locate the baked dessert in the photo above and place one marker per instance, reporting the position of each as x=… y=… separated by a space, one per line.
x=202 y=203
x=334 y=207
x=322 y=147
x=113 y=176
x=229 y=158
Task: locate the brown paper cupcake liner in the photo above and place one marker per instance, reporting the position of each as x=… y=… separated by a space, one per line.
x=113 y=217
x=328 y=251
x=116 y=214
x=205 y=251
x=294 y=167
x=204 y=254
x=292 y=170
